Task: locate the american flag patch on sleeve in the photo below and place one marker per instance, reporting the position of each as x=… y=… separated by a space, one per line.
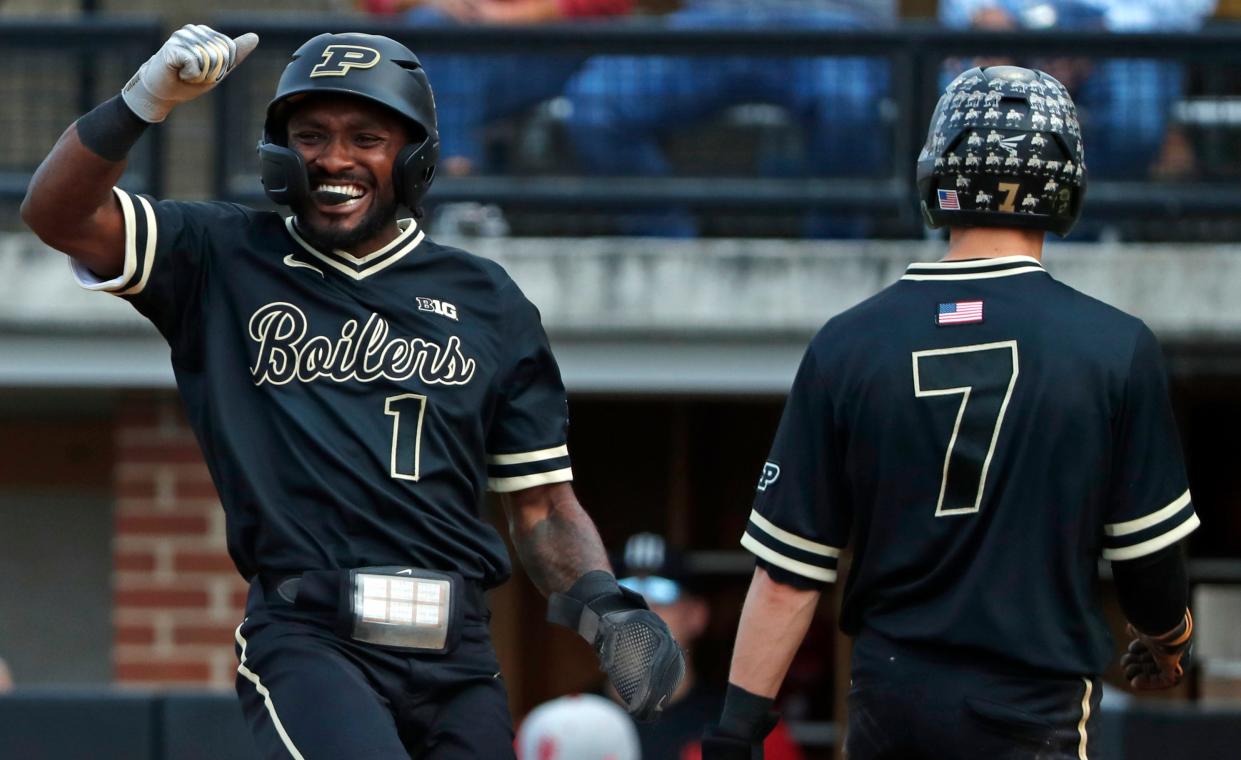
x=958 y=313
x=948 y=200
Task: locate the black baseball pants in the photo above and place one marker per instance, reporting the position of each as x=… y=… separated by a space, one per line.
x=310 y=694
x=907 y=704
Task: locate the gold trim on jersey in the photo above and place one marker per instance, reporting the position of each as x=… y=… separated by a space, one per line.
x=1081 y=725
x=148 y=253
x=139 y=255
x=792 y=539
x=1150 y=546
x=793 y=566
x=359 y=267
x=1141 y=523
x=529 y=456
x=519 y=482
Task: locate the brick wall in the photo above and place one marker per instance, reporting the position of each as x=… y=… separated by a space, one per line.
x=177 y=596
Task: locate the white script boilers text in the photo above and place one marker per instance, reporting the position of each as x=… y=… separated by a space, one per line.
x=365 y=354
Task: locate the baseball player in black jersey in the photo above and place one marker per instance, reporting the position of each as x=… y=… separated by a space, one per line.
x=356 y=389
x=981 y=434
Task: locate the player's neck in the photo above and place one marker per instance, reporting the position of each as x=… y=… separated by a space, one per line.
x=993 y=242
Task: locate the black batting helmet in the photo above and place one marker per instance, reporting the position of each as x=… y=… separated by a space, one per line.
x=1004 y=150
x=366 y=66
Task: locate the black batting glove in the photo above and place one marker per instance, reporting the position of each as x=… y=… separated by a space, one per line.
x=744 y=724
x=1154 y=662
x=635 y=648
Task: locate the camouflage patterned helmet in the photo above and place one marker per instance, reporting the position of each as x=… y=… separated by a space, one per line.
x=1004 y=150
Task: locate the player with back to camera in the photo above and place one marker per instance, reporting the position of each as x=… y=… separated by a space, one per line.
x=356 y=389
x=982 y=434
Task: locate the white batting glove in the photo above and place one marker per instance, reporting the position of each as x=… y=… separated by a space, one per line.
x=193 y=60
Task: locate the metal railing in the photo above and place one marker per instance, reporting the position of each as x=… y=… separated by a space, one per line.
x=914 y=56
x=83 y=58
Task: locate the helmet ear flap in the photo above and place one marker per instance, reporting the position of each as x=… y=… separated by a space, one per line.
x=283 y=173
x=413 y=171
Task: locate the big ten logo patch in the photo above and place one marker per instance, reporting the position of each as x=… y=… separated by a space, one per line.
x=436 y=306
x=771 y=471
x=338 y=60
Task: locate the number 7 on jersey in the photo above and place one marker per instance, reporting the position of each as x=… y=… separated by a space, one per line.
x=984 y=376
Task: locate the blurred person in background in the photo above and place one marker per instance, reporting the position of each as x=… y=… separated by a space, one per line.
x=6 y=677
x=982 y=435
x=623 y=106
x=474 y=90
x=1125 y=103
x=578 y=727
x=657 y=571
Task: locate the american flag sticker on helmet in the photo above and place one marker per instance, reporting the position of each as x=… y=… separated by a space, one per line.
x=948 y=200
x=958 y=313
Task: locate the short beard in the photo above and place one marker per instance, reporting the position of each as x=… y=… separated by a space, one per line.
x=381 y=213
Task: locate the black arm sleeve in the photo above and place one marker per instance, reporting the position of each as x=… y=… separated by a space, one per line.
x=1153 y=589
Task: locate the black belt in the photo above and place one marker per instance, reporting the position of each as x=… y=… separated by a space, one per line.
x=281 y=590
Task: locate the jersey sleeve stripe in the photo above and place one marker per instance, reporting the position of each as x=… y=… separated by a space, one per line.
x=147 y=258
x=529 y=456
x=1153 y=545
x=792 y=565
x=89 y=280
x=507 y=485
x=1154 y=531
x=1133 y=526
x=527 y=468
x=788 y=552
x=791 y=539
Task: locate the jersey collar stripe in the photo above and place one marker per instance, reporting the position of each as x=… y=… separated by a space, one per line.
x=999 y=261
x=1133 y=526
x=385 y=263
x=1154 y=544
x=253 y=678
x=507 y=485
x=352 y=267
x=973 y=269
x=793 y=540
x=529 y=456
x=792 y=565
x=982 y=275
x=148 y=253
x=400 y=240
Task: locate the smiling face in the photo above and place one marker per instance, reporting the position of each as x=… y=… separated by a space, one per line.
x=349 y=145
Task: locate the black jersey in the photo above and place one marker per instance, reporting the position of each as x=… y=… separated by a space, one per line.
x=983 y=434
x=352 y=411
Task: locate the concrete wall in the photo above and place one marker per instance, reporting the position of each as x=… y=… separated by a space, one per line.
x=633 y=315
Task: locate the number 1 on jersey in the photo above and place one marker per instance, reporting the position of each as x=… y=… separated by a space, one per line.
x=407 y=411
x=984 y=376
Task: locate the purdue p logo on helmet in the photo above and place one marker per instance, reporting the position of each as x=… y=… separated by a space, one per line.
x=364 y=66
x=339 y=59
x=1004 y=149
